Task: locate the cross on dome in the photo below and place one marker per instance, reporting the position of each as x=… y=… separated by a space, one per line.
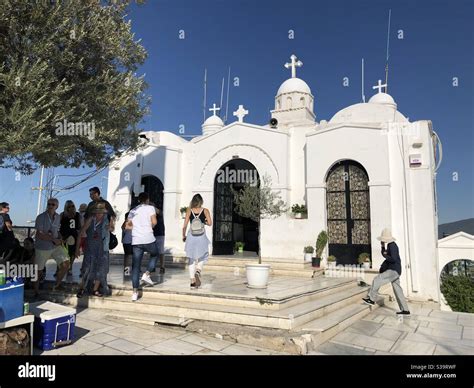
x=379 y=86
x=241 y=113
x=293 y=64
x=214 y=109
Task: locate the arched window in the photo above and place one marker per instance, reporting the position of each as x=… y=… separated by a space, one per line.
x=348 y=211
x=278 y=104
x=289 y=102
x=303 y=101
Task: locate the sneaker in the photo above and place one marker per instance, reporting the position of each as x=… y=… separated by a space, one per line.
x=193 y=286
x=403 y=312
x=198 y=279
x=368 y=301
x=134 y=296
x=147 y=279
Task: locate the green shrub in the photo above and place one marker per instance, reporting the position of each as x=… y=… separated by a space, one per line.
x=299 y=209
x=458 y=292
x=364 y=258
x=321 y=242
x=308 y=249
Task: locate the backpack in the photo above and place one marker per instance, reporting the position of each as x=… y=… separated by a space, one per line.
x=2 y=223
x=197 y=226
x=113 y=242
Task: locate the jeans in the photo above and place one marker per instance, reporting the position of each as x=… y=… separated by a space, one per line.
x=137 y=256
x=389 y=276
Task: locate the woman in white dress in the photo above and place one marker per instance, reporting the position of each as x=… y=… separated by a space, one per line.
x=197 y=243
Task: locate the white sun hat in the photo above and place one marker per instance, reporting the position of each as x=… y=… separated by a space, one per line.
x=386 y=236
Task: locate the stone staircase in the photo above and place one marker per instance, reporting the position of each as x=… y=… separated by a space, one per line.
x=278 y=267
x=236 y=264
x=303 y=319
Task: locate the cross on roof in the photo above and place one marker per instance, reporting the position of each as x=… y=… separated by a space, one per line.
x=379 y=86
x=241 y=113
x=293 y=64
x=214 y=109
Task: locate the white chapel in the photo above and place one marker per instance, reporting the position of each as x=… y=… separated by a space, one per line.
x=365 y=169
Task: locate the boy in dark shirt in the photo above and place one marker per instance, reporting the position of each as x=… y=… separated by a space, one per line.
x=390 y=271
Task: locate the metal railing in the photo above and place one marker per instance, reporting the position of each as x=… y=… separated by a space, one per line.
x=22 y=232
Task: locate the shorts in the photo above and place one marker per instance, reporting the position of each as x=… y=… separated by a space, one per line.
x=160 y=244
x=58 y=254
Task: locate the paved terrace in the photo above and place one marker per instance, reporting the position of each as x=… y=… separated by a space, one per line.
x=427 y=331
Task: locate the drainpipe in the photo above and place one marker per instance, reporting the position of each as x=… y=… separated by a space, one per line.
x=410 y=263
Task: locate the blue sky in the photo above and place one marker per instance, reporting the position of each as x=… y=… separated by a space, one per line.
x=330 y=37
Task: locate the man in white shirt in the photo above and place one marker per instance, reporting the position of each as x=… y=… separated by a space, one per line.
x=141 y=221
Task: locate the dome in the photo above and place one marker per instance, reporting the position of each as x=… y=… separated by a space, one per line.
x=294 y=85
x=213 y=120
x=383 y=98
x=364 y=113
x=212 y=124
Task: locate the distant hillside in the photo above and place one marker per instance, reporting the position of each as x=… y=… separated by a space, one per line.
x=466 y=226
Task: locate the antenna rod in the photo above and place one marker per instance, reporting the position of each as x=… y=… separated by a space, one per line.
x=363 y=94
x=204 y=101
x=388 y=43
x=227 y=98
x=222 y=93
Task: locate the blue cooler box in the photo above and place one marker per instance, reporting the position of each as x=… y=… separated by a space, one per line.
x=54 y=324
x=11 y=300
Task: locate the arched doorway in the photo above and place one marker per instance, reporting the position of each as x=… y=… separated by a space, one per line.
x=348 y=211
x=153 y=186
x=229 y=227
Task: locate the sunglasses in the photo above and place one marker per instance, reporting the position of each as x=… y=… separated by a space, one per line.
x=51 y=204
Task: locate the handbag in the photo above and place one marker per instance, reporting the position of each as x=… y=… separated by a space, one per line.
x=113 y=242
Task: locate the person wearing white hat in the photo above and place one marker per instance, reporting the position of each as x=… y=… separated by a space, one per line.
x=390 y=272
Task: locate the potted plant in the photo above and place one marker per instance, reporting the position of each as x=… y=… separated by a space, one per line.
x=256 y=202
x=239 y=246
x=321 y=242
x=183 y=211
x=308 y=253
x=364 y=260
x=331 y=260
x=299 y=210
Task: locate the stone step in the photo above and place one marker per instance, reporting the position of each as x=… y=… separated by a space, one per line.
x=170 y=261
x=317 y=308
x=300 y=295
x=241 y=262
x=326 y=327
x=306 y=273
x=284 y=319
x=148 y=319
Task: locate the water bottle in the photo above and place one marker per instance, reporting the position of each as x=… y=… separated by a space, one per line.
x=2 y=277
